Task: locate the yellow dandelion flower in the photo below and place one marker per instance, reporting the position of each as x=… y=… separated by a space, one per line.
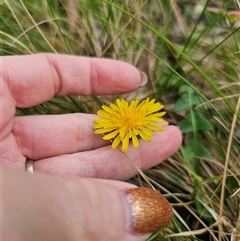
x=127 y=121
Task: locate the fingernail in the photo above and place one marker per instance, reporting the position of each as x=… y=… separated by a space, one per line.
x=147 y=210
x=144 y=79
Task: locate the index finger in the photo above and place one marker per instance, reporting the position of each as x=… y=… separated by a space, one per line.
x=34 y=79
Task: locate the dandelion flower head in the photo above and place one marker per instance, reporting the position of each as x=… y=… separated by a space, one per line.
x=125 y=121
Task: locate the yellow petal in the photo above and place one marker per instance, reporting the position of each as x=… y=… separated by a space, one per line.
x=108 y=109
x=110 y=135
x=102 y=131
x=103 y=113
x=125 y=142
x=156 y=128
x=135 y=141
x=145 y=136
x=116 y=142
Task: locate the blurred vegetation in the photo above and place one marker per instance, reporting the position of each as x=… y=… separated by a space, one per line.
x=190 y=51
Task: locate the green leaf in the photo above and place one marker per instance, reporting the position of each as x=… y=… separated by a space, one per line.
x=232 y=184
x=195 y=148
x=201 y=209
x=194 y=122
x=186 y=101
x=186 y=89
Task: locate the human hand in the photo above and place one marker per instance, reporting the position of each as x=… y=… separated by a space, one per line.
x=65 y=144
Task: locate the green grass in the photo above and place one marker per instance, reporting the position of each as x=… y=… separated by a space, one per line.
x=191 y=54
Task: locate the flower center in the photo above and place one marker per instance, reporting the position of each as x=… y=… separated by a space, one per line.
x=130 y=119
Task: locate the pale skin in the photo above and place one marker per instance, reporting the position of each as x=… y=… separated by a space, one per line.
x=67 y=197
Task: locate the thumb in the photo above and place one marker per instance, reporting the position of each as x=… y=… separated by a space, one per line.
x=44 y=207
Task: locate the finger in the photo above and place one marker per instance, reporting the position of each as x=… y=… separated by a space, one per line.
x=34 y=79
x=56 y=208
x=45 y=136
x=113 y=164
